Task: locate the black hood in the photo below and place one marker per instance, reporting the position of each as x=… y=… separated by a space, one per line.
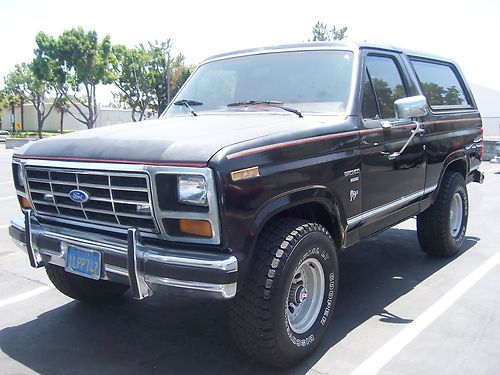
x=175 y=139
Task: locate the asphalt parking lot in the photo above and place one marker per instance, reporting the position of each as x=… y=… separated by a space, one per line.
x=398 y=310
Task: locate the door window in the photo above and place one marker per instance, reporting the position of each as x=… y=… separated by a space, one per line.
x=387 y=82
x=369 y=106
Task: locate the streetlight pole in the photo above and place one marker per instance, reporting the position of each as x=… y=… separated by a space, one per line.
x=13 y=115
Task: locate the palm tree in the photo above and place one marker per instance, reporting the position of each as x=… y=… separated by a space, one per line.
x=61 y=103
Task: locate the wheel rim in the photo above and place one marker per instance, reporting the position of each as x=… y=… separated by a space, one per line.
x=305 y=295
x=456 y=213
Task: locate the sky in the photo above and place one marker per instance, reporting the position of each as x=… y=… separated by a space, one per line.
x=465 y=31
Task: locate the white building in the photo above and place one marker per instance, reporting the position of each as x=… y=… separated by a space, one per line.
x=488 y=102
x=105 y=116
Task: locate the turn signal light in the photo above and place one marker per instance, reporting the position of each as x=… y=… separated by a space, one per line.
x=25 y=203
x=196 y=227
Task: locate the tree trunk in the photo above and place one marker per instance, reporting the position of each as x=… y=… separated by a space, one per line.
x=90 y=102
x=40 y=124
x=22 y=113
x=62 y=120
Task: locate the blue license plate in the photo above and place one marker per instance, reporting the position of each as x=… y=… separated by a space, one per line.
x=84 y=262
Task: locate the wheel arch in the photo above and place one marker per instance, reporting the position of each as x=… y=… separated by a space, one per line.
x=315 y=203
x=457 y=162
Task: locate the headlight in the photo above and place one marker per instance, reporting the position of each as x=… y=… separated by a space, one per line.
x=20 y=177
x=192 y=190
x=17 y=176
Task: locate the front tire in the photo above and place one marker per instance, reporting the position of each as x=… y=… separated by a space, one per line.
x=283 y=309
x=83 y=289
x=441 y=228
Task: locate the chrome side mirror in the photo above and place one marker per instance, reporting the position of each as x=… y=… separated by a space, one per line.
x=413 y=106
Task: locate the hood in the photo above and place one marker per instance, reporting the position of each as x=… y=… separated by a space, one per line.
x=187 y=140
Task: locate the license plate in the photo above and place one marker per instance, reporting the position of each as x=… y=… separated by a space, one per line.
x=84 y=262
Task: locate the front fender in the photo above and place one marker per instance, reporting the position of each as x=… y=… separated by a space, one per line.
x=316 y=194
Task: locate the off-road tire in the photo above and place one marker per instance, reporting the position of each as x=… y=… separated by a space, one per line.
x=433 y=225
x=259 y=322
x=83 y=289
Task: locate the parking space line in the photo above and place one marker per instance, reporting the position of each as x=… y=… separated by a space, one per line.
x=390 y=349
x=9 y=197
x=24 y=296
x=492 y=171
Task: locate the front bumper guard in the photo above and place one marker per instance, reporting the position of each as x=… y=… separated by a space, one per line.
x=141 y=265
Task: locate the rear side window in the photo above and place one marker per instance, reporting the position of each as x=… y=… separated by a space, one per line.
x=440 y=84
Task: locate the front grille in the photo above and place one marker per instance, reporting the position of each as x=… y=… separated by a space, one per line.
x=116 y=199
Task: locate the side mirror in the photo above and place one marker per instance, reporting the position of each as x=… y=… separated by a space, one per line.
x=413 y=106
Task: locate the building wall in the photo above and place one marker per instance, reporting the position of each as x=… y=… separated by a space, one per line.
x=488 y=102
x=105 y=116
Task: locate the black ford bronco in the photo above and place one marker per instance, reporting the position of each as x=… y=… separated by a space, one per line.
x=266 y=164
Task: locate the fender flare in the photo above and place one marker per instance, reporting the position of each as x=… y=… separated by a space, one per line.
x=294 y=198
x=459 y=155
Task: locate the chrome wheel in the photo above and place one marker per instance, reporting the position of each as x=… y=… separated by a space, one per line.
x=305 y=295
x=456 y=214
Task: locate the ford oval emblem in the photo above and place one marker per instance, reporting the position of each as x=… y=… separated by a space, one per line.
x=79 y=196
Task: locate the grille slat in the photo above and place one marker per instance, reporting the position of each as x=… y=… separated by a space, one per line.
x=82 y=184
x=115 y=198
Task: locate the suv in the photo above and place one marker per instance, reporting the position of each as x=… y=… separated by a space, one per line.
x=266 y=164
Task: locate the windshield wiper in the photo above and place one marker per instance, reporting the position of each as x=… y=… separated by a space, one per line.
x=188 y=103
x=272 y=103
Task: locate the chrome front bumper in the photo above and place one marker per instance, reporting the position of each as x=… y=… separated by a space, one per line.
x=130 y=261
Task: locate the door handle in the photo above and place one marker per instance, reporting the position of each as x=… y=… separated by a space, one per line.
x=417 y=131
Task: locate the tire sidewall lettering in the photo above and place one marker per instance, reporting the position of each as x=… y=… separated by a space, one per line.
x=329 y=266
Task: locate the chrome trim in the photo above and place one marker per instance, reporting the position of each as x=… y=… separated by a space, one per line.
x=230 y=264
x=105 y=187
x=151 y=170
x=33 y=254
x=140 y=255
x=140 y=289
x=213 y=212
x=78 y=165
x=117 y=270
x=386 y=207
x=429 y=189
x=225 y=290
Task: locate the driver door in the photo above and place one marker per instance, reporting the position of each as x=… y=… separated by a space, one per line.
x=391 y=187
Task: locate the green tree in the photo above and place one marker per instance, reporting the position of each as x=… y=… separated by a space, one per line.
x=75 y=62
x=148 y=77
x=435 y=93
x=453 y=96
x=322 y=33
x=338 y=34
x=160 y=74
x=23 y=81
x=14 y=91
x=134 y=81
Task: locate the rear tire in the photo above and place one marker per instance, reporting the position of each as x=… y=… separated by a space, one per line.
x=441 y=228
x=284 y=307
x=83 y=289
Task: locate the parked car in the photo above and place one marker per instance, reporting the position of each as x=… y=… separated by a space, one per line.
x=3 y=135
x=265 y=166
x=497 y=152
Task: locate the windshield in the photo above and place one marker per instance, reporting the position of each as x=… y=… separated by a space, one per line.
x=308 y=81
